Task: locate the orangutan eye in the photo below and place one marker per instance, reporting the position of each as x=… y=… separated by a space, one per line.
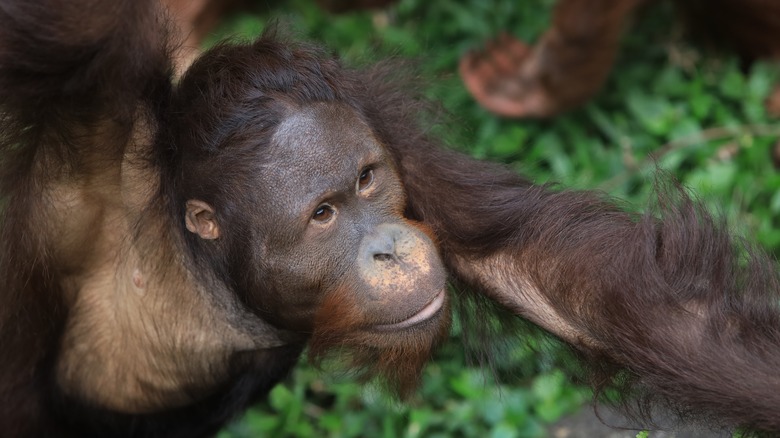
x=365 y=179
x=323 y=214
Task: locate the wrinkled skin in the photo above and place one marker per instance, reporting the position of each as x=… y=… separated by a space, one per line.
x=330 y=209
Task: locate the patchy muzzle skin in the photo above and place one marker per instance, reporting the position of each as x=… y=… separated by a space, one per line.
x=403 y=305
x=405 y=278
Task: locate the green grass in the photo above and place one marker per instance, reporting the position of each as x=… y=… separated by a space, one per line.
x=697 y=116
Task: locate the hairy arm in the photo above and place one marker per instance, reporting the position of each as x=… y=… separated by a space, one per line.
x=73 y=77
x=672 y=297
x=573 y=58
x=66 y=65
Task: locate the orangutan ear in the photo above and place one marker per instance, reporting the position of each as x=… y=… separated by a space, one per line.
x=200 y=219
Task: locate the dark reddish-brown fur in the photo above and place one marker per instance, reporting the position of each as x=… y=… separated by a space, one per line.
x=669 y=300
x=400 y=368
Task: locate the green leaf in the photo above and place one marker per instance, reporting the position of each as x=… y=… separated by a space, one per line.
x=654 y=112
x=504 y=430
x=280 y=397
x=733 y=84
x=548 y=386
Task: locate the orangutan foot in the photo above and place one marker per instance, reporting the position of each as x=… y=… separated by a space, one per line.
x=505 y=79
